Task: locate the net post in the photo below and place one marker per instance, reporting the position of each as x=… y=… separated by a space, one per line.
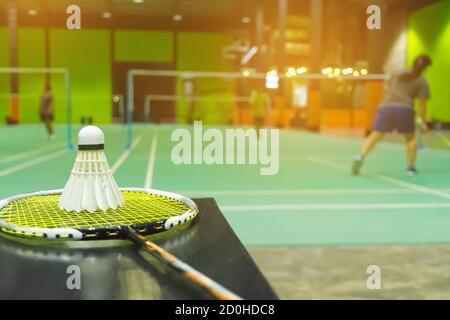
x=130 y=108
x=69 y=110
x=147 y=106
x=122 y=109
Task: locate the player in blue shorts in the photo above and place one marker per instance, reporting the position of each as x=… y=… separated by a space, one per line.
x=396 y=112
x=46 y=111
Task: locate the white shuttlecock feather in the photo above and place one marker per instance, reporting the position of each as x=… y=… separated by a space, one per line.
x=91 y=185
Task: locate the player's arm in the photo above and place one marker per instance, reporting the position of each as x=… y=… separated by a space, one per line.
x=422 y=103
x=423 y=96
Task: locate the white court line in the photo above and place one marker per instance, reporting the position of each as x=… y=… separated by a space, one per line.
x=444 y=139
x=377 y=176
x=29 y=152
x=126 y=154
x=31 y=163
x=151 y=162
x=290 y=192
x=333 y=207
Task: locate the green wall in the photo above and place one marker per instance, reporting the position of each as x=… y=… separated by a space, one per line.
x=201 y=51
x=429 y=33
x=143 y=46
x=86 y=53
x=4 y=79
x=198 y=51
x=31 y=54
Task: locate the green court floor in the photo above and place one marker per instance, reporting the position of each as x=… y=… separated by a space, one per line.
x=312 y=200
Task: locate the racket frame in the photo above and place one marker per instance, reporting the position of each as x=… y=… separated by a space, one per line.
x=100 y=233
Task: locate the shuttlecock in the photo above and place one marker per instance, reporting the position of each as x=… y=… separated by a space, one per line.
x=91 y=185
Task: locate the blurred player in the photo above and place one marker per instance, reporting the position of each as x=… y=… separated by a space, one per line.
x=189 y=93
x=260 y=102
x=396 y=112
x=46 y=111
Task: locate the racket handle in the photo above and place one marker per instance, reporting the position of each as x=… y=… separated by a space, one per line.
x=189 y=273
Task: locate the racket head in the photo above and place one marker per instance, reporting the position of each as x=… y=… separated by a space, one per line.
x=148 y=211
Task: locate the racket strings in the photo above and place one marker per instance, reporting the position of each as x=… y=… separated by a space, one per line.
x=42 y=212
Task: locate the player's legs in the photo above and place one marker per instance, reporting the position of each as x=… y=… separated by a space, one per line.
x=370 y=142
x=259 y=123
x=47 y=120
x=191 y=111
x=405 y=123
x=49 y=126
x=411 y=146
x=383 y=123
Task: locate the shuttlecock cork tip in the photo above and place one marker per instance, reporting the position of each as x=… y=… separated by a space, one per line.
x=91 y=138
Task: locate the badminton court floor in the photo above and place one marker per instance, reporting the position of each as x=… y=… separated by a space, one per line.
x=313 y=200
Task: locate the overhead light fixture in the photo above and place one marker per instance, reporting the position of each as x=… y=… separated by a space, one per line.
x=106 y=15
x=347 y=71
x=327 y=71
x=272 y=79
x=302 y=70
x=249 y=55
x=291 y=72
x=364 y=72
x=32 y=12
x=177 y=17
x=246 y=20
x=138 y=1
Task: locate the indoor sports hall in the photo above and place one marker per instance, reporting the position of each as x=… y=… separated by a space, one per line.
x=260 y=107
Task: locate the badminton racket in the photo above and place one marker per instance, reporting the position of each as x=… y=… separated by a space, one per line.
x=146 y=212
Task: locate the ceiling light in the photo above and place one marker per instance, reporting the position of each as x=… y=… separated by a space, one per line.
x=302 y=70
x=138 y=1
x=249 y=55
x=106 y=15
x=291 y=72
x=32 y=12
x=246 y=20
x=272 y=80
x=347 y=71
x=326 y=71
x=177 y=17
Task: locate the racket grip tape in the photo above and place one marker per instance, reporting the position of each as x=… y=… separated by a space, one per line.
x=188 y=272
